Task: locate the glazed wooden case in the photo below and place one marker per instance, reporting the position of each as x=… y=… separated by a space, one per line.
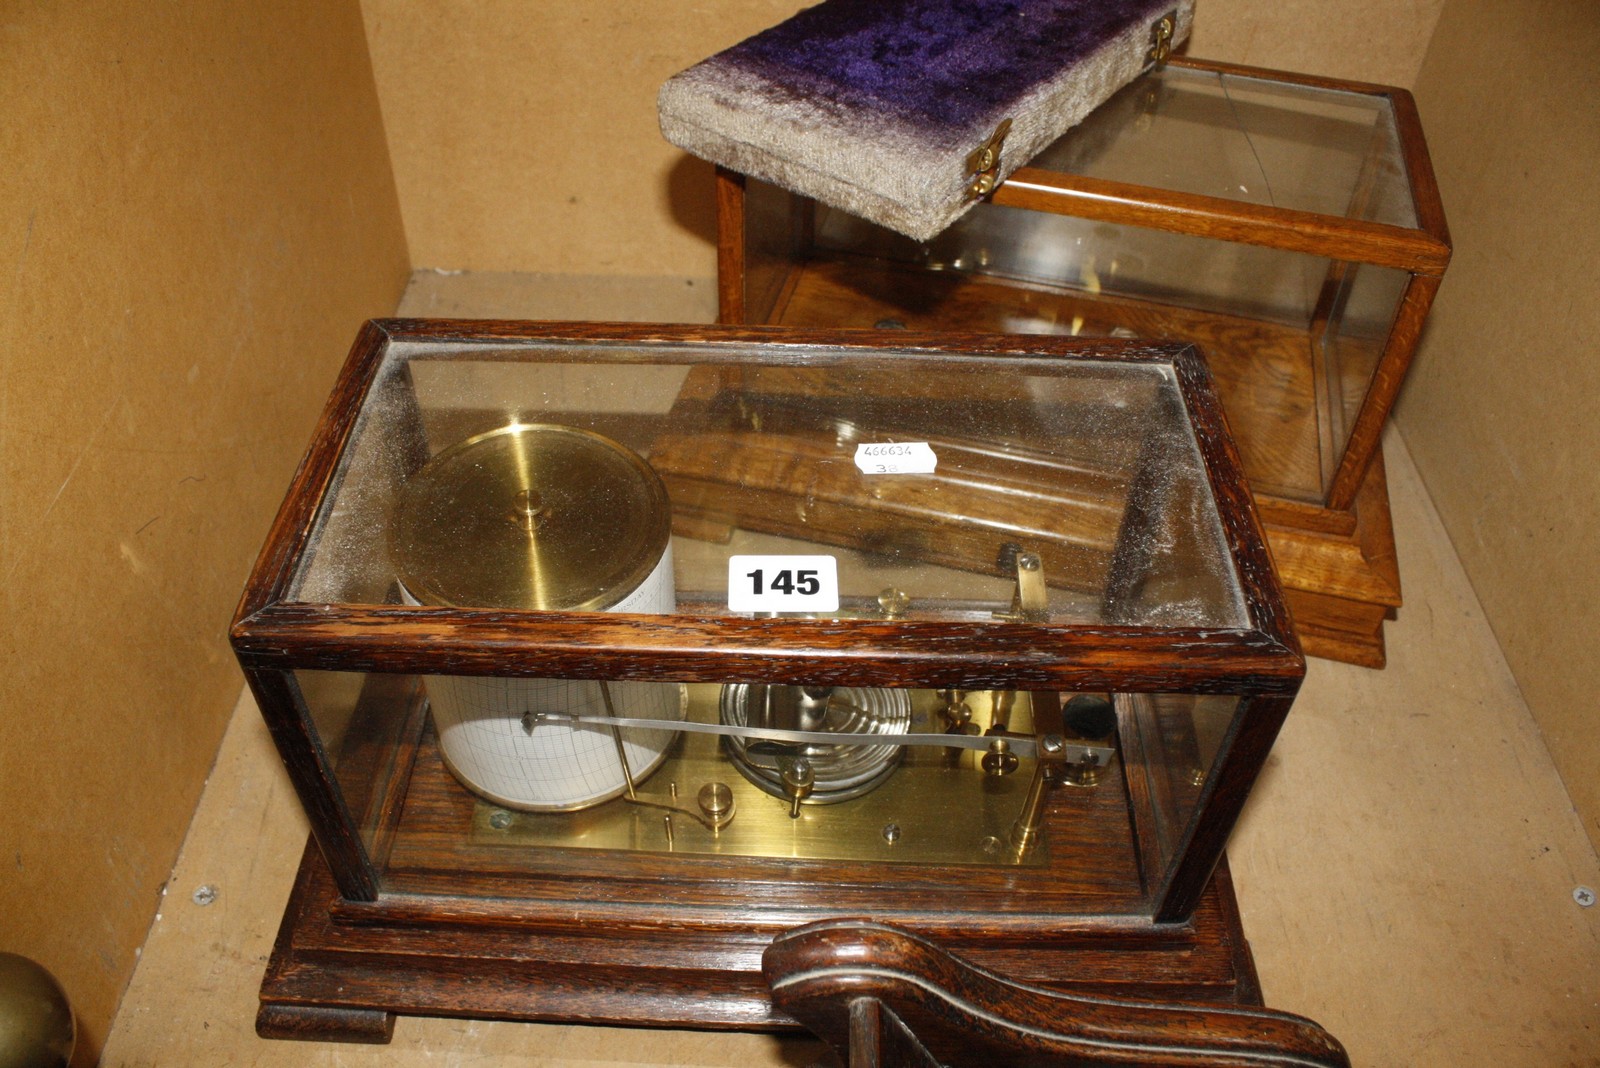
x=1084 y=537
x=1288 y=225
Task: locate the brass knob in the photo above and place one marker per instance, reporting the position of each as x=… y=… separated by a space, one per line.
x=798 y=779
x=999 y=760
x=1086 y=772
x=956 y=712
x=527 y=510
x=715 y=799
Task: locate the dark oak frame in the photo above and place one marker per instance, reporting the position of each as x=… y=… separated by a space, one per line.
x=604 y=943
x=1336 y=557
x=884 y=998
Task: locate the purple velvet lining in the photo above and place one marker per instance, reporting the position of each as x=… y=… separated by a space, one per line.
x=939 y=65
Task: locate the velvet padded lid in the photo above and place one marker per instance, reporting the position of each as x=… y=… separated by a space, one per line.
x=874 y=106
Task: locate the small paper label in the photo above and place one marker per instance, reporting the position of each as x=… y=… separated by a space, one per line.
x=783 y=584
x=896 y=458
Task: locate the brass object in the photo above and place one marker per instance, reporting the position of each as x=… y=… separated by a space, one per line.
x=1083 y=772
x=956 y=716
x=893 y=602
x=544 y=517
x=711 y=819
x=530 y=515
x=1030 y=600
x=999 y=760
x=616 y=737
x=716 y=800
x=1161 y=40
x=1024 y=837
x=36 y=1024
x=714 y=818
x=983 y=164
x=527 y=510
x=955 y=711
x=941 y=813
x=1001 y=701
x=798 y=781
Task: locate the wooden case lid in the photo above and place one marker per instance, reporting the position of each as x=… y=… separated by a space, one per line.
x=907 y=113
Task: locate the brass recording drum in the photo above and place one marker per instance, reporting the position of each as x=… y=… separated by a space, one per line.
x=546 y=517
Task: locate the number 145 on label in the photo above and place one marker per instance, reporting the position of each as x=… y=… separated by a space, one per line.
x=783 y=584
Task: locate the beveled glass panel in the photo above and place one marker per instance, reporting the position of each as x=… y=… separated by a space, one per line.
x=1291 y=338
x=478 y=775
x=1028 y=457
x=1246 y=139
x=1358 y=314
x=1294 y=339
x=1175 y=744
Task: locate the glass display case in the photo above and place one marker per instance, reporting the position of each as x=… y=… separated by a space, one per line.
x=1288 y=226
x=604 y=654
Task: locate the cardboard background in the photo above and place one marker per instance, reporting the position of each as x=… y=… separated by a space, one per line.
x=198 y=212
x=524 y=136
x=1499 y=410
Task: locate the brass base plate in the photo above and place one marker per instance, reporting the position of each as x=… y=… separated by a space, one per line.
x=937 y=807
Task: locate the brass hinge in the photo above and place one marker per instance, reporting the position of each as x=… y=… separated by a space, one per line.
x=983 y=165
x=1161 y=35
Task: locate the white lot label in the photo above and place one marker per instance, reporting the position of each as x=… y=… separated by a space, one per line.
x=783 y=584
x=896 y=458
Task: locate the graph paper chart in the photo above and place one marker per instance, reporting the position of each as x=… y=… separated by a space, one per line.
x=497 y=750
x=492 y=745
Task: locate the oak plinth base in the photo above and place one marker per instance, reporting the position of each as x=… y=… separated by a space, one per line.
x=1340 y=587
x=334 y=977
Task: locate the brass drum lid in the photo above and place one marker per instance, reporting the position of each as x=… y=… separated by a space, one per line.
x=530 y=516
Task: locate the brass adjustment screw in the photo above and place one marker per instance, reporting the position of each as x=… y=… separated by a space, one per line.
x=999 y=760
x=798 y=779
